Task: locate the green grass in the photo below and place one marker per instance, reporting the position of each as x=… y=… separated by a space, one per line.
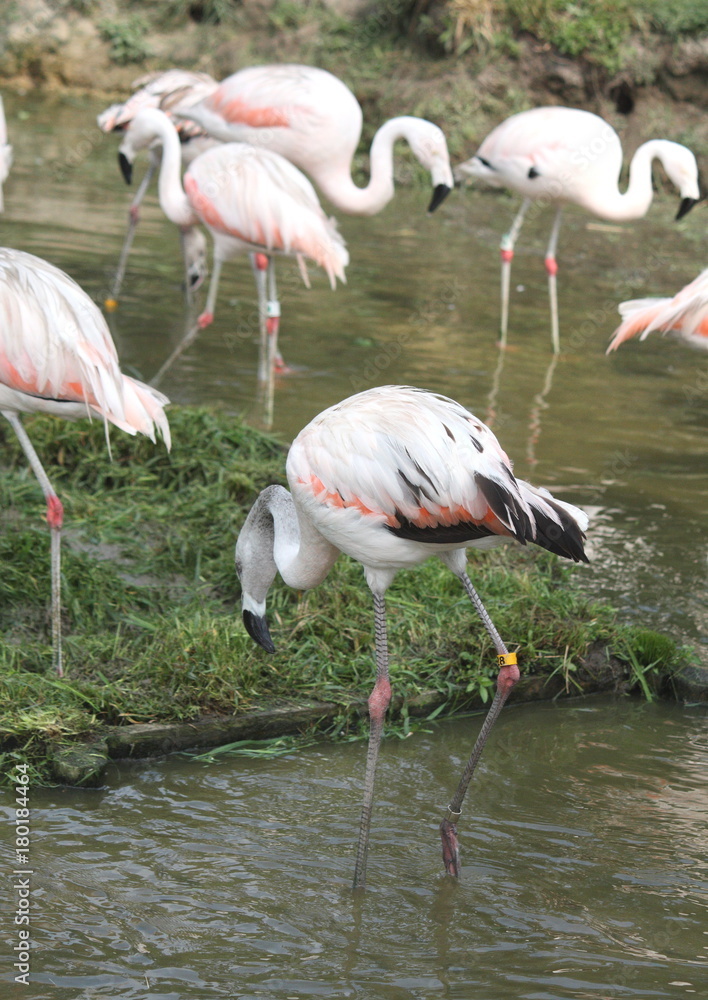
x=152 y=628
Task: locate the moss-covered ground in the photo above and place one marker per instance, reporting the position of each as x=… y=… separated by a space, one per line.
x=152 y=629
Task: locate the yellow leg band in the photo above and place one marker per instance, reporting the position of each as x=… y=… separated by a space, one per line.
x=506 y=659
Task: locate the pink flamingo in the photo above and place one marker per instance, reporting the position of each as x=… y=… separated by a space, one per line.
x=172 y=91
x=57 y=356
x=312 y=119
x=392 y=476
x=685 y=316
x=5 y=153
x=558 y=155
x=250 y=200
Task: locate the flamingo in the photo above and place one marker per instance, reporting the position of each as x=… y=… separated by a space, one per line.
x=312 y=119
x=250 y=200
x=685 y=316
x=5 y=153
x=392 y=476
x=171 y=91
x=557 y=155
x=57 y=356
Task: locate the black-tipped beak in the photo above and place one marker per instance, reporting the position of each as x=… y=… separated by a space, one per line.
x=685 y=207
x=440 y=193
x=257 y=628
x=126 y=168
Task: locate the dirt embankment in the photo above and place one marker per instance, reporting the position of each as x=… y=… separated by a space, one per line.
x=662 y=88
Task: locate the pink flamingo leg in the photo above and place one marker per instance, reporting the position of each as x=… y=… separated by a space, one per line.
x=507 y=255
x=273 y=323
x=379 y=700
x=55 y=519
x=552 y=271
x=260 y=263
x=506 y=679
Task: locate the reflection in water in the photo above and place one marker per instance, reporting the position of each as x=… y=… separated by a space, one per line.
x=539 y=405
x=494 y=415
x=491 y=415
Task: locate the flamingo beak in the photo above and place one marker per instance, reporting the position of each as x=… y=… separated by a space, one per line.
x=257 y=628
x=440 y=193
x=126 y=168
x=685 y=207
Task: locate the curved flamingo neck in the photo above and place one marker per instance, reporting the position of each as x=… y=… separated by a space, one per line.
x=173 y=200
x=338 y=186
x=635 y=201
x=301 y=554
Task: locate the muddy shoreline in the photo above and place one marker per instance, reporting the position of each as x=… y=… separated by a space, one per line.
x=599 y=672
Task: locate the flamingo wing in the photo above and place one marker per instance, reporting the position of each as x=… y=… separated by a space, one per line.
x=55 y=344
x=422 y=467
x=280 y=96
x=304 y=113
x=686 y=316
x=259 y=198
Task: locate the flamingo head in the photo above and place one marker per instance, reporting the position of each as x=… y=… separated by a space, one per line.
x=147 y=130
x=429 y=147
x=255 y=566
x=682 y=170
x=194 y=245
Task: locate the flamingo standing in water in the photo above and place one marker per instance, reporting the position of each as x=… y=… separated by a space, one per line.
x=172 y=91
x=5 y=153
x=557 y=155
x=57 y=356
x=250 y=200
x=312 y=119
x=392 y=476
x=684 y=317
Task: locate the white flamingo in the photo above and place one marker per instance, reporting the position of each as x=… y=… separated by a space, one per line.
x=312 y=119
x=172 y=91
x=392 y=476
x=558 y=155
x=57 y=357
x=250 y=200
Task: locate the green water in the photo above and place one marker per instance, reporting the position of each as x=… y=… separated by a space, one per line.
x=583 y=850
x=584 y=840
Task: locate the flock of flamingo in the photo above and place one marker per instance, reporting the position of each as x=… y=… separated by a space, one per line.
x=394 y=474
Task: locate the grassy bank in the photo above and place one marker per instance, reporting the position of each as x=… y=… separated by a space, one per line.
x=151 y=616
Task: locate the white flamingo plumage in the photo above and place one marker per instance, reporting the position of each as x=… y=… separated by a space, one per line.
x=5 y=153
x=312 y=119
x=392 y=476
x=172 y=91
x=557 y=155
x=685 y=316
x=57 y=357
x=250 y=200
